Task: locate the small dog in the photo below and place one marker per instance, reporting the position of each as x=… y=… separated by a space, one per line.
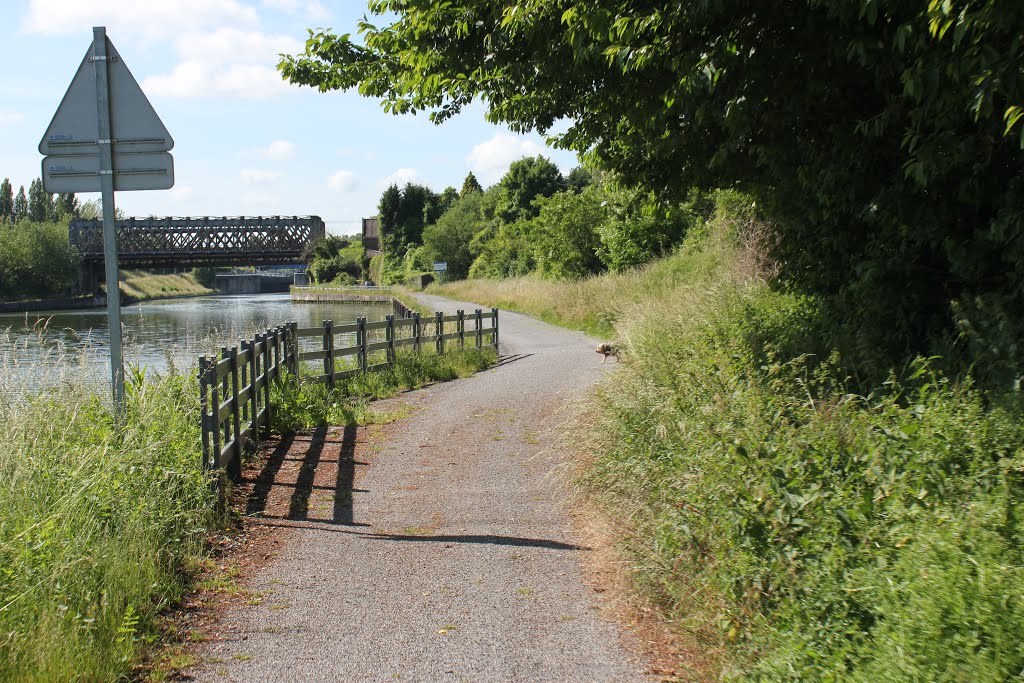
x=607 y=349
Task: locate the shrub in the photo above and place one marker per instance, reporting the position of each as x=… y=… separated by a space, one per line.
x=36 y=259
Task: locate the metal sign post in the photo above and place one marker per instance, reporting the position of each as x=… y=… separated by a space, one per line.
x=105 y=136
x=106 y=172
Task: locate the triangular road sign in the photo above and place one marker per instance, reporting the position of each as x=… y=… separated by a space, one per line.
x=134 y=125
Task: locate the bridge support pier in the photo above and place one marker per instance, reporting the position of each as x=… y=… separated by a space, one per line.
x=90 y=276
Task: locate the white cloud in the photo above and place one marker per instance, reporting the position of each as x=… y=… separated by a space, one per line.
x=197 y=79
x=152 y=19
x=256 y=176
x=490 y=160
x=403 y=177
x=310 y=8
x=226 y=62
x=7 y=118
x=343 y=181
x=278 y=150
x=228 y=45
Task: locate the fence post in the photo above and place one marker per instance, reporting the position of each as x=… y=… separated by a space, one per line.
x=253 y=386
x=416 y=333
x=215 y=418
x=361 y=338
x=235 y=464
x=277 y=353
x=439 y=323
x=246 y=370
x=390 y=335
x=328 y=353
x=266 y=382
x=295 y=351
x=461 y=326
x=479 y=329
x=494 y=336
x=224 y=393
x=204 y=405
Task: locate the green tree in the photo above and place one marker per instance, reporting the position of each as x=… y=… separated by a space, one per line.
x=67 y=206
x=884 y=140
x=447 y=199
x=527 y=180
x=449 y=238
x=20 y=205
x=470 y=184
x=388 y=215
x=40 y=203
x=510 y=252
x=36 y=260
x=579 y=178
x=567 y=239
x=403 y=213
x=6 y=201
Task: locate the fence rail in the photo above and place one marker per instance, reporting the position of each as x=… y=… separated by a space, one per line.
x=234 y=388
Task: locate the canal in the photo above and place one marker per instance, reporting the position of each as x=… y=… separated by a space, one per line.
x=41 y=348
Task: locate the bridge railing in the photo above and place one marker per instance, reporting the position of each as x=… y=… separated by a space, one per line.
x=235 y=388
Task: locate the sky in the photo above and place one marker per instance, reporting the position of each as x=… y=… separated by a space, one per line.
x=246 y=142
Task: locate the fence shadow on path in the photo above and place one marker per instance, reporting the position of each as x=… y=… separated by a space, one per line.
x=308 y=478
x=511 y=358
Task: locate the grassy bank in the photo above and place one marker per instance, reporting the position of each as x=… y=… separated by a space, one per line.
x=141 y=285
x=595 y=305
x=792 y=524
x=103 y=527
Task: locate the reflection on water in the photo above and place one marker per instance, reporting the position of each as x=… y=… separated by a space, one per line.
x=35 y=349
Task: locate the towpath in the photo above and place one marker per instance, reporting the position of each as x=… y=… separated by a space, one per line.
x=440 y=552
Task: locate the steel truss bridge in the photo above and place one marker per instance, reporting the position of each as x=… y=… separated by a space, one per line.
x=197 y=242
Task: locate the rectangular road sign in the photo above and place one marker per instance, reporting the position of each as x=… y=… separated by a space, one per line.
x=132 y=171
x=440 y=266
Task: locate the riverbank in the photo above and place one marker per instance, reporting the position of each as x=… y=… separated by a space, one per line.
x=135 y=286
x=138 y=285
x=792 y=524
x=320 y=294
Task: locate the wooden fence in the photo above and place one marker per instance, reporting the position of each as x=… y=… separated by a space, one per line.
x=235 y=388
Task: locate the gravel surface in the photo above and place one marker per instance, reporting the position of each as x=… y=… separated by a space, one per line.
x=441 y=552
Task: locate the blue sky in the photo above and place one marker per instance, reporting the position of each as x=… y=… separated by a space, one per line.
x=246 y=143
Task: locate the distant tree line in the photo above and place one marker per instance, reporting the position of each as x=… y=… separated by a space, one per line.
x=534 y=220
x=37 y=205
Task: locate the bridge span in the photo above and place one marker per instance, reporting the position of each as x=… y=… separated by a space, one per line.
x=196 y=242
x=193 y=242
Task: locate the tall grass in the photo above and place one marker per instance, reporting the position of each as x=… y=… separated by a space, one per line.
x=307 y=405
x=594 y=304
x=790 y=521
x=100 y=525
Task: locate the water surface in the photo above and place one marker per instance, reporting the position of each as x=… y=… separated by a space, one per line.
x=38 y=348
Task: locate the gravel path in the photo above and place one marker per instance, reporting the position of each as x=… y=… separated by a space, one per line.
x=449 y=555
